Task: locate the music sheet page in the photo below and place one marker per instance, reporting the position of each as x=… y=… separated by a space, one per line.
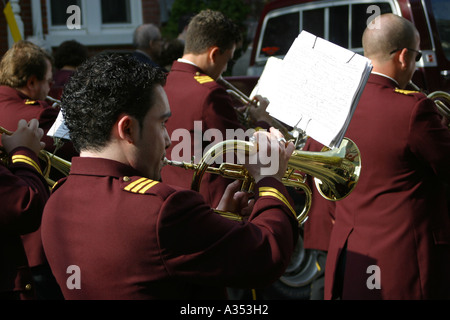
x=59 y=129
x=315 y=87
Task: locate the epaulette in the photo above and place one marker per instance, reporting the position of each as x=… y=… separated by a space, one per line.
x=138 y=185
x=405 y=91
x=31 y=102
x=203 y=79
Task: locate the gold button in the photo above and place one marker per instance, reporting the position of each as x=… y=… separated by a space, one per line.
x=126 y=179
x=197 y=73
x=28 y=287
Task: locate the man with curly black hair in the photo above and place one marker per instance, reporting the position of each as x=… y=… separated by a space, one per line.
x=113 y=230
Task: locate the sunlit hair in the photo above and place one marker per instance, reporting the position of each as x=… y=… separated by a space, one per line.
x=23 y=60
x=211 y=28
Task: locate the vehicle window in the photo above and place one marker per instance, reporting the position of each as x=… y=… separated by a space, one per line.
x=339 y=26
x=313 y=22
x=360 y=17
x=441 y=9
x=279 y=34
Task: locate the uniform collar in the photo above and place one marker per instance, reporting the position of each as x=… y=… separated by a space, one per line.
x=187 y=61
x=101 y=167
x=380 y=77
x=12 y=91
x=186 y=67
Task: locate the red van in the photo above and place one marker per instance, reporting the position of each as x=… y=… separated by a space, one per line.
x=343 y=22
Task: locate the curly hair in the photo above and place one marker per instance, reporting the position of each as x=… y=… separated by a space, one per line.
x=211 y=28
x=103 y=88
x=23 y=60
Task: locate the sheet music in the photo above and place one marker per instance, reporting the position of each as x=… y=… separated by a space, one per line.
x=315 y=87
x=59 y=129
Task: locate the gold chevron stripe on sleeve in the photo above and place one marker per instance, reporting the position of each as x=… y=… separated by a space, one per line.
x=272 y=192
x=27 y=160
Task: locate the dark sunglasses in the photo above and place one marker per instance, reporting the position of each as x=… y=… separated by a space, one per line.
x=418 y=56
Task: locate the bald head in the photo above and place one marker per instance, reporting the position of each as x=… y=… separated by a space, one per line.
x=387 y=33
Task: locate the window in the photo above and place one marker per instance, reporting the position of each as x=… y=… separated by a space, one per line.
x=441 y=8
x=313 y=22
x=341 y=24
x=103 y=22
x=58 y=8
x=116 y=11
x=338 y=34
x=274 y=44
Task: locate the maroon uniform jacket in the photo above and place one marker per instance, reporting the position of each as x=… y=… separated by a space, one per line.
x=395 y=224
x=15 y=106
x=196 y=101
x=133 y=238
x=23 y=193
x=317 y=228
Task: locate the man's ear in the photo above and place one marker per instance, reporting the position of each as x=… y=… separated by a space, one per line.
x=126 y=128
x=403 y=58
x=30 y=87
x=213 y=52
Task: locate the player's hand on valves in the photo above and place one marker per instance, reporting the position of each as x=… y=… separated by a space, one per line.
x=258 y=109
x=28 y=134
x=236 y=201
x=271 y=157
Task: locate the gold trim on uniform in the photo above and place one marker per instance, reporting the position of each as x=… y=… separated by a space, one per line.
x=405 y=91
x=141 y=185
x=27 y=160
x=203 y=79
x=30 y=102
x=272 y=192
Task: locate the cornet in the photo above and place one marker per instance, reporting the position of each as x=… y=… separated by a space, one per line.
x=245 y=117
x=56 y=102
x=336 y=172
x=441 y=99
x=50 y=160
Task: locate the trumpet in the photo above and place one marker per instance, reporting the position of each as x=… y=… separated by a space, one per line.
x=441 y=99
x=336 y=172
x=244 y=117
x=56 y=102
x=63 y=166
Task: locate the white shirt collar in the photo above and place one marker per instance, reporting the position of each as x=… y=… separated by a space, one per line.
x=383 y=75
x=187 y=61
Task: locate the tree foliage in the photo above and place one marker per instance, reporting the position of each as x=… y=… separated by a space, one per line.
x=236 y=10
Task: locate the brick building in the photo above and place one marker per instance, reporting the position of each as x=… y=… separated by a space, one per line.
x=98 y=24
